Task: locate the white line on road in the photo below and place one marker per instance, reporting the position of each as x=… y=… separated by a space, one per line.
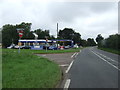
x=80 y=50
x=106 y=61
x=76 y=54
x=64 y=65
x=67 y=83
x=73 y=55
x=107 y=57
x=69 y=67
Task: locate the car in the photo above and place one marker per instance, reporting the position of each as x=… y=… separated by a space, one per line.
x=26 y=47
x=17 y=47
x=67 y=47
x=11 y=46
x=52 y=48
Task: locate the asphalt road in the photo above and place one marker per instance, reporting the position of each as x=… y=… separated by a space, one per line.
x=94 y=68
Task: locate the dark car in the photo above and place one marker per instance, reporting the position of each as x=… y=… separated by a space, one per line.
x=52 y=48
x=26 y=47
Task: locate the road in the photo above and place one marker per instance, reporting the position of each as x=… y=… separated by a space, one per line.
x=94 y=68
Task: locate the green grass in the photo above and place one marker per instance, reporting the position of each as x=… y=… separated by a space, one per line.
x=26 y=70
x=52 y=51
x=111 y=50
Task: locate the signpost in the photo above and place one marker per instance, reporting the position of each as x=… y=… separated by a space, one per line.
x=20 y=32
x=46 y=42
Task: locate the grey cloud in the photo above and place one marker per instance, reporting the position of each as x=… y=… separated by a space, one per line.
x=67 y=14
x=68 y=11
x=101 y=7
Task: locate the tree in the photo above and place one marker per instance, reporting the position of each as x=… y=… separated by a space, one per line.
x=83 y=42
x=69 y=33
x=113 y=41
x=9 y=35
x=77 y=38
x=0 y=37
x=41 y=34
x=99 y=38
x=90 y=42
x=26 y=27
x=66 y=33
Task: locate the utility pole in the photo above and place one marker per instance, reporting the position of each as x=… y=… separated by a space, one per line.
x=57 y=35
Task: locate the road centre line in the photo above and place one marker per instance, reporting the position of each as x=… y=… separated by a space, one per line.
x=107 y=57
x=69 y=67
x=105 y=60
x=67 y=83
x=73 y=55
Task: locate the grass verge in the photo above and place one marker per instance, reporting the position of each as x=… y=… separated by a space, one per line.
x=25 y=70
x=111 y=50
x=52 y=51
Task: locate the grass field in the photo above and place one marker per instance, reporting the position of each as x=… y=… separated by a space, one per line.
x=25 y=70
x=52 y=51
x=111 y=50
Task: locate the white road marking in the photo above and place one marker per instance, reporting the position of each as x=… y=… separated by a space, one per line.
x=69 y=67
x=64 y=65
x=76 y=54
x=73 y=55
x=106 y=61
x=43 y=55
x=80 y=50
x=67 y=83
x=107 y=57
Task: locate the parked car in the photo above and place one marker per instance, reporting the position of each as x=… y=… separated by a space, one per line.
x=67 y=47
x=52 y=47
x=26 y=47
x=17 y=47
x=11 y=46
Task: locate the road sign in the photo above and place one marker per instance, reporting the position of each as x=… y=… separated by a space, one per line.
x=20 y=31
x=20 y=35
x=46 y=40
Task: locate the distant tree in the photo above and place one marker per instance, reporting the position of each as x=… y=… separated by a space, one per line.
x=99 y=38
x=69 y=33
x=77 y=38
x=9 y=35
x=66 y=33
x=90 y=42
x=0 y=36
x=51 y=37
x=41 y=34
x=26 y=27
x=30 y=35
x=113 y=41
x=83 y=42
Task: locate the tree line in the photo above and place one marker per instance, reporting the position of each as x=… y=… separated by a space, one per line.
x=113 y=41
x=10 y=35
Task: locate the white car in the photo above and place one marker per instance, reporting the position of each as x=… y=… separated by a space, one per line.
x=11 y=46
x=17 y=47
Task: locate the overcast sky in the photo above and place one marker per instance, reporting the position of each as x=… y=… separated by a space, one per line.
x=87 y=18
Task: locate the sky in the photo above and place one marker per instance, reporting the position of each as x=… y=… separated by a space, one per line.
x=87 y=18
